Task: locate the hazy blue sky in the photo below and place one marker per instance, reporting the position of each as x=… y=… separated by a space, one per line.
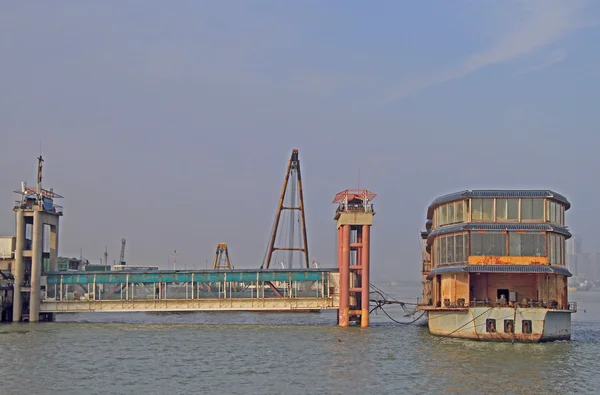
x=170 y=123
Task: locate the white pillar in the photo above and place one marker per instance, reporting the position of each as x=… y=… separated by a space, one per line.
x=19 y=270
x=36 y=266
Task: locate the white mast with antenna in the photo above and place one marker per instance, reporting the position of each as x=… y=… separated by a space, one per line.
x=174 y=258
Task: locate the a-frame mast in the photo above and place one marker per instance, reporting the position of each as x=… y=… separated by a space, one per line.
x=293 y=166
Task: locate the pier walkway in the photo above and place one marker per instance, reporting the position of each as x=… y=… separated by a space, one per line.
x=190 y=290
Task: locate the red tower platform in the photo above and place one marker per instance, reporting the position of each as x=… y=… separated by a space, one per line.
x=354 y=217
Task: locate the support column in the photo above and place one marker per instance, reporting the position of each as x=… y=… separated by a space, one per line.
x=365 y=253
x=359 y=247
x=340 y=238
x=36 y=266
x=344 y=311
x=54 y=247
x=19 y=270
x=469 y=290
x=357 y=274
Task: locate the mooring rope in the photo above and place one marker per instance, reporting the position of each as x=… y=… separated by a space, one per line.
x=386 y=299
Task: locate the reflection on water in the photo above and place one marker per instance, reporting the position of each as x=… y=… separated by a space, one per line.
x=241 y=353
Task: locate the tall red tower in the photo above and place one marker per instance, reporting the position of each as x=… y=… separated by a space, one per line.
x=354 y=217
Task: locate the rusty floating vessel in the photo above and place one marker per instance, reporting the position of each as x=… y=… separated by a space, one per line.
x=494 y=266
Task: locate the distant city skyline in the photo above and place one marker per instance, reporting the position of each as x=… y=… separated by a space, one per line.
x=584 y=264
x=575 y=244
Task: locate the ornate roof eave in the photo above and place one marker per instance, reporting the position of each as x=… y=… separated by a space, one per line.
x=524 y=269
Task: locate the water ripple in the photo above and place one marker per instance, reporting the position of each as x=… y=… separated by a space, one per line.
x=241 y=353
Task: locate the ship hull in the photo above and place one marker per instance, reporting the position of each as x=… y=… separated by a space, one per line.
x=502 y=324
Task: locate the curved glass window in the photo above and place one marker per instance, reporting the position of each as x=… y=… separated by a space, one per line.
x=527 y=244
x=550 y=213
x=556 y=249
x=555 y=212
x=513 y=209
x=444 y=250
x=499 y=210
x=507 y=209
x=482 y=209
x=450 y=249
x=532 y=209
x=526 y=209
x=477 y=209
x=459 y=247
x=449 y=213
x=488 y=244
x=516 y=210
x=488 y=209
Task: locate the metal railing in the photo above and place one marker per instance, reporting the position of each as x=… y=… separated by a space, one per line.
x=169 y=284
x=365 y=208
x=56 y=209
x=461 y=303
x=186 y=291
x=4 y=254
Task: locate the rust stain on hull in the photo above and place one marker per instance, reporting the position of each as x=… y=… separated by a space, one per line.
x=532 y=325
x=494 y=337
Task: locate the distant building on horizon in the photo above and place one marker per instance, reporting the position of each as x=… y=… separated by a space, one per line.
x=574 y=247
x=583 y=265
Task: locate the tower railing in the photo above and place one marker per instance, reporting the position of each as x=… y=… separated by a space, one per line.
x=356 y=207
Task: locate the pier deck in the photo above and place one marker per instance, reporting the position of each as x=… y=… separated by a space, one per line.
x=203 y=290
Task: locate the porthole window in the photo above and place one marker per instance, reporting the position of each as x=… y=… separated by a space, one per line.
x=490 y=325
x=526 y=326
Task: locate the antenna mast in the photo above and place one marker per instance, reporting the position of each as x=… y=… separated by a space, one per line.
x=39 y=179
x=122 y=256
x=174 y=254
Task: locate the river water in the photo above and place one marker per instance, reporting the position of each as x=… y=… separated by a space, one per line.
x=294 y=353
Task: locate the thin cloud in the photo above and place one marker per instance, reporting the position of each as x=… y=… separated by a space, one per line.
x=542 y=22
x=555 y=57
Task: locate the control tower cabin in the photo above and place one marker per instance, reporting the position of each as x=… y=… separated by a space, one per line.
x=36 y=213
